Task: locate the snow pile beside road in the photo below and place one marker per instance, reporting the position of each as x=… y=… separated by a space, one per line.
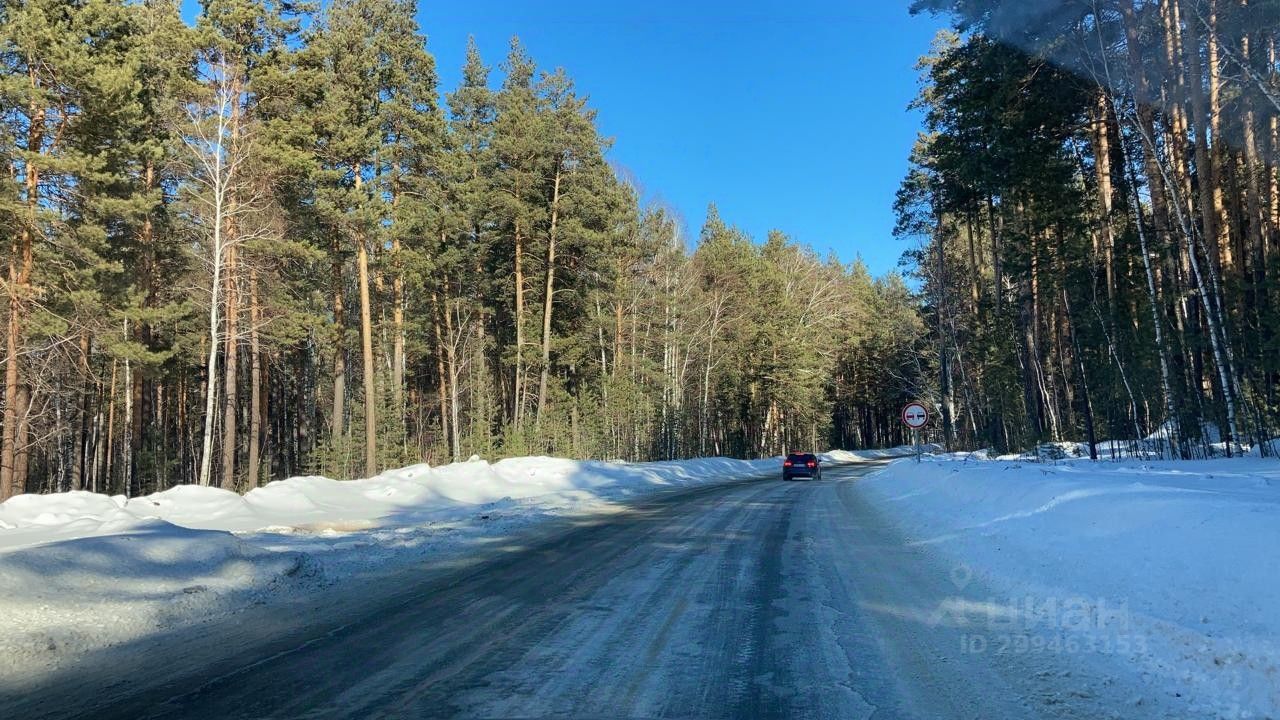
x=1169 y=567
x=81 y=570
x=406 y=496
x=849 y=456
x=314 y=504
x=67 y=598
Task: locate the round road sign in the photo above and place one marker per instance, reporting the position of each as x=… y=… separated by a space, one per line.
x=915 y=416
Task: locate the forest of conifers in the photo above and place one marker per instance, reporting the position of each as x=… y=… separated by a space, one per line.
x=268 y=243
x=1099 y=198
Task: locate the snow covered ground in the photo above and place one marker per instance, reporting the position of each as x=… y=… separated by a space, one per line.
x=81 y=571
x=1170 y=568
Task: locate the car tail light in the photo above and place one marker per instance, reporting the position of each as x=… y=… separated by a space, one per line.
x=812 y=464
x=786 y=463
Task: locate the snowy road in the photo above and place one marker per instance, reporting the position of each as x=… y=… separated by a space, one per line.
x=753 y=599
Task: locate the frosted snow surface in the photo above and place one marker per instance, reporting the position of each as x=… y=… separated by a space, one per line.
x=1171 y=566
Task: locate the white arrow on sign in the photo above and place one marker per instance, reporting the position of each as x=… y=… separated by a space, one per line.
x=915 y=416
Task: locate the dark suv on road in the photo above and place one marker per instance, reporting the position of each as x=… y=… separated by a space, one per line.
x=801 y=465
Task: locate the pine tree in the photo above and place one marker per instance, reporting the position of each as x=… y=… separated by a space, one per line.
x=517 y=153
x=68 y=84
x=376 y=106
x=472 y=165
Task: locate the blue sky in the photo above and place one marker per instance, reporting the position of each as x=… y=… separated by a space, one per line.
x=788 y=115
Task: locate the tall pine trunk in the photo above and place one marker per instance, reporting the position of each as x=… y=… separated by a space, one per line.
x=944 y=365
x=442 y=390
x=366 y=349
x=1205 y=170
x=338 y=421
x=11 y=483
x=398 y=332
x=80 y=468
x=256 y=409
x=1106 y=193
x=12 y=478
x=230 y=373
x=451 y=362
x=519 y=381
x=549 y=298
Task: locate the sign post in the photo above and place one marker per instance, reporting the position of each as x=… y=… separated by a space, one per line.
x=915 y=416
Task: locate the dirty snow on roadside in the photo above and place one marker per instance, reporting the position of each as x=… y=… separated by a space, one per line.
x=1169 y=567
x=81 y=571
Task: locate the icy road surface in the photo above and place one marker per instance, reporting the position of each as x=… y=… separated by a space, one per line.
x=750 y=599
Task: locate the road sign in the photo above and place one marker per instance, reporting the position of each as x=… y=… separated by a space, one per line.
x=915 y=416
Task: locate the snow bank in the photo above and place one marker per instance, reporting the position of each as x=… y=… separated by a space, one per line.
x=80 y=571
x=1168 y=567
x=67 y=598
x=415 y=494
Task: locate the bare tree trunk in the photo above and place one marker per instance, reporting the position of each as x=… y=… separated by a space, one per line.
x=230 y=374
x=130 y=407
x=996 y=221
x=944 y=366
x=1030 y=375
x=211 y=360
x=1146 y=125
x=12 y=480
x=1085 y=399
x=256 y=410
x=668 y=370
x=398 y=339
x=617 y=326
x=1106 y=192
x=109 y=450
x=441 y=386
x=1273 y=167
x=451 y=362
x=1223 y=240
x=704 y=412
x=483 y=395
x=80 y=469
x=23 y=457
x=143 y=388
x=519 y=389
x=370 y=391
x=184 y=447
x=1253 y=169
x=338 y=421
x=10 y=483
x=975 y=266
x=1174 y=95
x=1208 y=180
x=366 y=347
x=548 y=300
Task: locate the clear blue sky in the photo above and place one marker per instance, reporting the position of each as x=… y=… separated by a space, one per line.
x=789 y=115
